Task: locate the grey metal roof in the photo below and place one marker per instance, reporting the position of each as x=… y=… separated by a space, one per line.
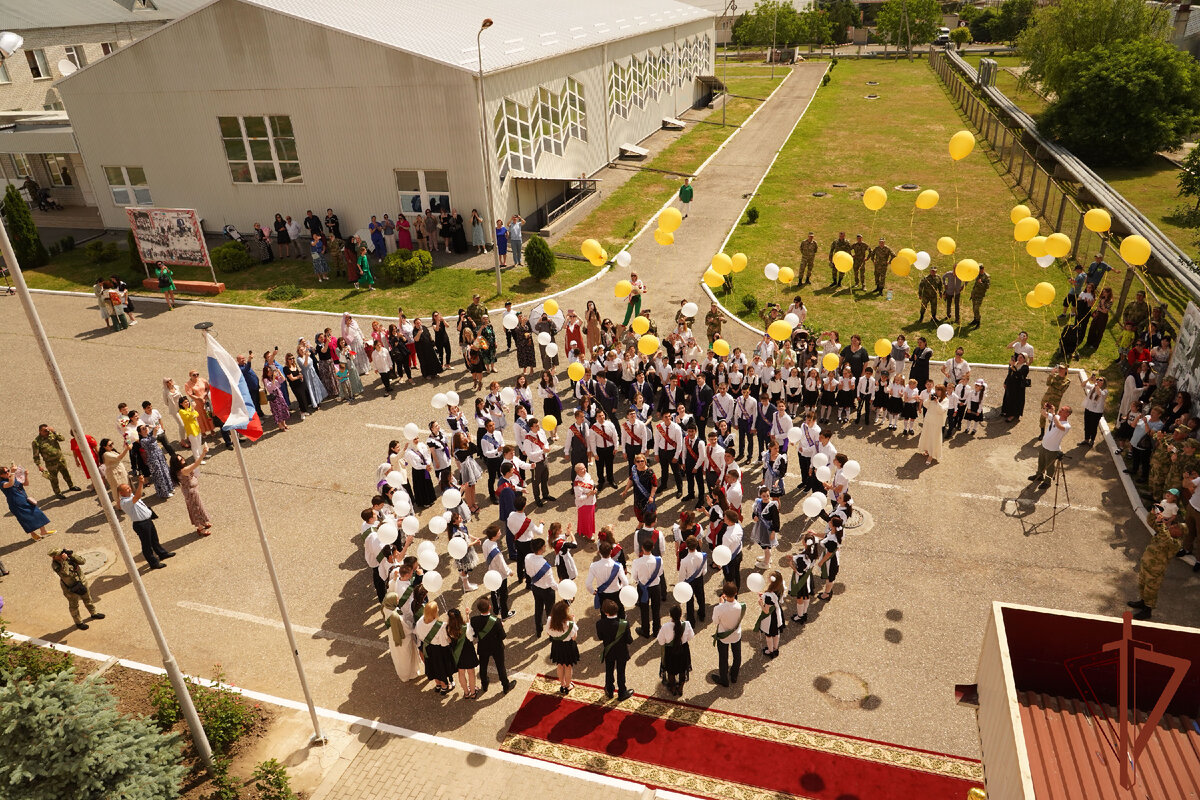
x=23 y=15
x=523 y=30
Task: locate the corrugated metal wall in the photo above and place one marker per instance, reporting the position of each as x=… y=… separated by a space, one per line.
x=1005 y=763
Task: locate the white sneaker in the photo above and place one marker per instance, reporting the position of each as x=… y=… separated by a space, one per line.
x=468 y=586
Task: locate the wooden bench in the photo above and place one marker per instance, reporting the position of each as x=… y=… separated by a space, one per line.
x=188 y=287
x=633 y=151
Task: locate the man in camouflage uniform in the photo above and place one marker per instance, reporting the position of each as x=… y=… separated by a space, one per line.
x=681 y=318
x=713 y=320
x=1165 y=461
x=882 y=255
x=46 y=450
x=1153 y=566
x=839 y=243
x=769 y=314
x=929 y=290
x=980 y=288
x=860 y=250
x=1056 y=386
x=69 y=568
x=1136 y=313
x=476 y=312
x=808 y=251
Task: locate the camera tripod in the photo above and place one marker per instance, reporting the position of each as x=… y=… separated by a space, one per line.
x=1058 y=474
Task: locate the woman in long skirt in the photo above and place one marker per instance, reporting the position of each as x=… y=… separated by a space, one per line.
x=353 y=335
x=675 y=665
x=171 y=397
x=585 y=502
x=295 y=382
x=156 y=463
x=426 y=353
x=189 y=483
x=279 y=405
x=197 y=389
x=592 y=325
x=930 y=442
x=526 y=348
x=31 y=518
x=489 y=353
x=327 y=365
x=564 y=650
x=478 y=241
x=403 y=233
x=308 y=368
x=350 y=361
x=402 y=643
x=434 y=642
x=422 y=481
x=1013 y=404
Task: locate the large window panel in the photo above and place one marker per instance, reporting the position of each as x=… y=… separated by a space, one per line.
x=260 y=149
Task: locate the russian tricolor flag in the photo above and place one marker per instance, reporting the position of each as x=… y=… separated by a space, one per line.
x=229 y=393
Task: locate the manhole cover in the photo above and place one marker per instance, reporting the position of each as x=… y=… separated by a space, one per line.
x=820 y=194
x=872 y=83
x=840 y=185
x=859 y=523
x=907 y=187
x=95 y=560
x=871 y=97
x=842 y=689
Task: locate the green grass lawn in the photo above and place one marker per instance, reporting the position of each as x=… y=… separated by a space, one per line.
x=901 y=138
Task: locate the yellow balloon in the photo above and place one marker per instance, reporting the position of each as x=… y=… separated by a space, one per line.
x=664 y=237
x=591 y=249
x=575 y=371
x=648 y=345
x=1058 y=245
x=598 y=262
x=739 y=262
x=1018 y=213
x=722 y=263
x=779 y=330
x=549 y=423
x=946 y=246
x=712 y=280
x=640 y=325
x=1036 y=246
x=967 y=269
x=900 y=267
x=1135 y=249
x=721 y=347
x=786 y=275
x=908 y=255
x=670 y=220
x=961 y=145
x=842 y=261
x=1031 y=300
x=975 y=793
x=1044 y=293
x=1097 y=220
x=830 y=362
x=550 y=307
x=883 y=348
x=623 y=288
x=874 y=198
x=1026 y=229
x=927 y=199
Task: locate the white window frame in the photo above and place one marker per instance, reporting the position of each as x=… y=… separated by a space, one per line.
x=272 y=141
x=21 y=165
x=76 y=55
x=37 y=61
x=129 y=192
x=426 y=195
x=56 y=165
x=108 y=48
x=4 y=76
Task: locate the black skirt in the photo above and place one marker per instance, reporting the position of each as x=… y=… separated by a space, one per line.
x=909 y=411
x=828 y=397
x=973 y=412
x=564 y=653
x=895 y=405
x=468 y=658
x=676 y=662
x=845 y=398
x=423 y=493
x=439 y=662
x=810 y=397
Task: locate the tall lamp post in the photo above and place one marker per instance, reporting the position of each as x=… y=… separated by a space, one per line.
x=730 y=8
x=483 y=149
x=774 y=27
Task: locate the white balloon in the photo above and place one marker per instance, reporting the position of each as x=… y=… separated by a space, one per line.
x=624 y=259
x=567 y=589
x=439 y=401
x=507 y=395
x=451 y=499
x=824 y=474
x=457 y=547
x=755 y=582
x=452 y=398
x=820 y=460
x=682 y=592
x=629 y=596
x=791 y=319
x=945 y=332
x=395 y=479
x=771 y=271
x=492 y=580
x=446 y=515
x=510 y=321
x=437 y=526
x=1045 y=261
x=428 y=561
x=851 y=469
x=551 y=350
x=403 y=508
x=387 y=532
x=814 y=504
x=690 y=309
x=411 y=525
x=426 y=545
x=432 y=581
x=794 y=434
x=922 y=261
x=411 y=431
x=721 y=555
x=544 y=338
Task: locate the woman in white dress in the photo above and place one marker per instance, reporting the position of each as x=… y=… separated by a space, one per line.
x=930 y=442
x=401 y=644
x=353 y=335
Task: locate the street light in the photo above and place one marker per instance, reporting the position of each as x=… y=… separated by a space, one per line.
x=483 y=145
x=730 y=8
x=774 y=27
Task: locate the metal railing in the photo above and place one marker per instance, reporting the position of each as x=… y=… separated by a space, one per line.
x=575 y=193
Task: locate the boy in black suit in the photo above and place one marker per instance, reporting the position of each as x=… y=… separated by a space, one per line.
x=615 y=637
x=489 y=639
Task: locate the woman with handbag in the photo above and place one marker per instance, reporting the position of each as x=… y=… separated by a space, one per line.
x=166 y=283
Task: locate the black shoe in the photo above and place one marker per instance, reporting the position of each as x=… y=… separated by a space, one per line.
x=171 y=554
x=510 y=614
x=507 y=687
x=83 y=626
x=62 y=496
x=609 y=695
x=796 y=618
x=715 y=677
x=483 y=686
x=804 y=618
x=158 y=565
x=1196 y=567
x=687 y=496
x=98 y=615
x=1139 y=603
x=74 y=489
x=1144 y=614
x=1039 y=477
x=625 y=695
x=540 y=503
x=642 y=632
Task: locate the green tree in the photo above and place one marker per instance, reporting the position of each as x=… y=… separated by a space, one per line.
x=983 y=26
x=843 y=15
x=1062 y=31
x=1189 y=177
x=814 y=27
x=23 y=232
x=1124 y=102
x=66 y=741
x=769 y=20
x=960 y=36
x=539 y=258
x=918 y=27
x=1014 y=18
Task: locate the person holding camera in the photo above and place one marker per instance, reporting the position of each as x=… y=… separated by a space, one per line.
x=69 y=568
x=1051 y=449
x=143 y=523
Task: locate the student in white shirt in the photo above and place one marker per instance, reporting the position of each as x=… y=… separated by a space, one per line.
x=865 y=399
x=1095 y=392
x=543 y=584
x=727 y=624
x=1051 y=449
x=646 y=572
x=732 y=538
x=605 y=578
x=634 y=436
x=493 y=559
x=974 y=412
x=693 y=569
x=602 y=442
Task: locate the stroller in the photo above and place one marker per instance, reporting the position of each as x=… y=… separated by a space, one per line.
x=45 y=202
x=254 y=247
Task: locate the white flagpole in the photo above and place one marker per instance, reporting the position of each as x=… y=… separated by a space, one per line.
x=199 y=739
x=318 y=736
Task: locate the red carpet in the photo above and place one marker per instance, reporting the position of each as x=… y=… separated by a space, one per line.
x=684 y=748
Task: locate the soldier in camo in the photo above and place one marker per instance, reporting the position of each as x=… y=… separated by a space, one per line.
x=881 y=255
x=978 y=291
x=69 y=568
x=771 y=313
x=808 y=251
x=1186 y=459
x=860 y=250
x=1153 y=566
x=929 y=290
x=1056 y=386
x=712 y=323
x=48 y=456
x=1136 y=313
x=476 y=312
x=1164 y=394
x=683 y=319
x=839 y=243
x=1164 y=461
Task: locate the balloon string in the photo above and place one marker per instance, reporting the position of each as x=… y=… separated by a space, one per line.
x=1016 y=286
x=956 y=213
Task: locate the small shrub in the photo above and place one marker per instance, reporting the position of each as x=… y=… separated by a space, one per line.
x=404 y=253
x=539 y=258
x=826 y=79
x=225 y=715
x=35 y=661
x=225 y=787
x=54 y=249
x=271 y=781
x=166 y=705
x=285 y=292
x=110 y=252
x=231 y=257
x=749 y=302
x=66 y=244
x=95 y=252
x=752 y=215
x=405 y=270
x=832 y=63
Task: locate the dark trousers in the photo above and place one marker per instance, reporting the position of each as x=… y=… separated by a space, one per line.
x=494 y=653
x=695 y=484
x=954 y=420
x=400 y=364
x=604 y=466
x=697 y=600
x=1091 y=424
x=729 y=672
x=713 y=479
x=733 y=570
x=509 y=336
x=493 y=469
x=651 y=609
x=522 y=550
x=442 y=350
x=666 y=465
x=543 y=601
x=631 y=451
x=863 y=403
x=380 y=583
x=147 y=534
x=541 y=482
x=386 y=377
x=616 y=598
x=745 y=441
x=613 y=664
x=500 y=606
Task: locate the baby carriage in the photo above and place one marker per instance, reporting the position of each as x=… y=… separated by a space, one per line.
x=258 y=249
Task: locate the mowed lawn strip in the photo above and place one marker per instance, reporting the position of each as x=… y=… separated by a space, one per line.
x=900 y=138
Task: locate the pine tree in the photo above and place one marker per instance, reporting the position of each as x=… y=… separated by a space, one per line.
x=24 y=234
x=539 y=258
x=62 y=740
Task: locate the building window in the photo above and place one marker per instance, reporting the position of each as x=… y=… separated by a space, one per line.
x=514 y=138
x=144 y=5
x=523 y=133
x=128 y=186
x=57 y=105
x=260 y=149
x=57 y=164
x=38 y=65
x=4 y=78
x=76 y=55
x=108 y=47
x=21 y=165
x=422 y=189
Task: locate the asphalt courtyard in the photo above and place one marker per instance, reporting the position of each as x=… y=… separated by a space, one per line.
x=937 y=546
